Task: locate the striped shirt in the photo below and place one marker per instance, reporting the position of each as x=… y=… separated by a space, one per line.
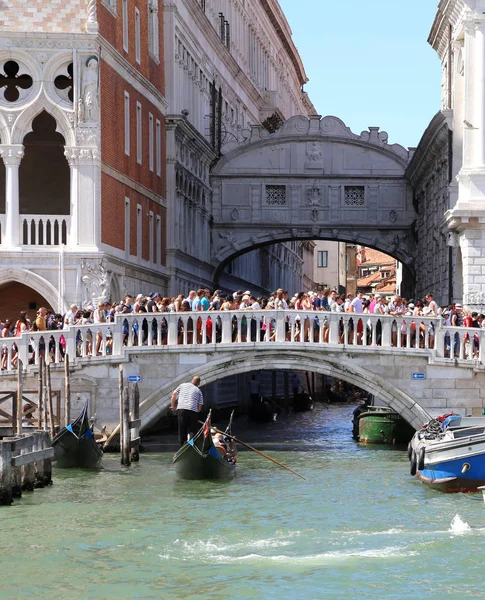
x=189 y=397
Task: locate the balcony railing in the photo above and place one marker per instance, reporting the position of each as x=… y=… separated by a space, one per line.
x=43 y=230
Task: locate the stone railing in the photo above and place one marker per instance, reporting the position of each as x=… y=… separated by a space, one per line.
x=44 y=230
x=210 y=330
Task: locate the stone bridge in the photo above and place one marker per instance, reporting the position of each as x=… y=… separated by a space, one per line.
x=312 y=179
x=415 y=364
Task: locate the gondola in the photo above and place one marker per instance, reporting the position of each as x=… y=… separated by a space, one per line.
x=207 y=456
x=75 y=445
x=263 y=410
x=302 y=402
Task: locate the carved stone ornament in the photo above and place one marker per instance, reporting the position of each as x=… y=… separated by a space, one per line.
x=314 y=196
x=476 y=299
x=314 y=214
x=452 y=239
x=335 y=233
x=230 y=239
x=88 y=103
x=235 y=214
x=393 y=216
x=314 y=153
x=95 y=281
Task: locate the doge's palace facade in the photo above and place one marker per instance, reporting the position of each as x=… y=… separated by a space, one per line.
x=229 y=64
x=82 y=141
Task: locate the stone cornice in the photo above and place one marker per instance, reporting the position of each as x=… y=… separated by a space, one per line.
x=431 y=144
x=109 y=55
x=178 y=122
x=138 y=187
x=283 y=30
x=450 y=12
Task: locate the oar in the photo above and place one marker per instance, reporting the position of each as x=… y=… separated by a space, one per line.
x=258 y=452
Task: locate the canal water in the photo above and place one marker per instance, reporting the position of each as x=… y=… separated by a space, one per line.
x=359 y=527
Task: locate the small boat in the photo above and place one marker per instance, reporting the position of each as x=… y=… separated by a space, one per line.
x=380 y=425
x=448 y=453
x=76 y=446
x=303 y=402
x=263 y=410
x=208 y=455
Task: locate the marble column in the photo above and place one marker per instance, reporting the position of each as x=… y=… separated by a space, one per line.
x=12 y=155
x=85 y=229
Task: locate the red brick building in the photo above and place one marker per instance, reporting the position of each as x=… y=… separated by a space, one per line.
x=82 y=137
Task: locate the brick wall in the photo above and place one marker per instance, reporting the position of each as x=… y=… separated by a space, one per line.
x=125 y=167
x=111 y=28
x=113 y=222
x=15 y=297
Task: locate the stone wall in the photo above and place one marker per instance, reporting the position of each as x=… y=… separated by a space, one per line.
x=429 y=173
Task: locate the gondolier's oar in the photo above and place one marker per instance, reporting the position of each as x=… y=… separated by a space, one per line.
x=258 y=452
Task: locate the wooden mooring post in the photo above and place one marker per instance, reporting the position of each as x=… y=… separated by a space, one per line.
x=67 y=392
x=129 y=421
x=21 y=460
x=135 y=422
x=125 y=428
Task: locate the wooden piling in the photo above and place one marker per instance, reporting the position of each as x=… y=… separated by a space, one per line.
x=45 y=424
x=39 y=464
x=120 y=390
x=28 y=469
x=67 y=392
x=20 y=394
x=134 y=398
x=5 y=473
x=51 y=424
x=40 y=400
x=125 y=428
x=47 y=466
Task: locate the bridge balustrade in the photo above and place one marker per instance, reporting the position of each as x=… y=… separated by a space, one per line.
x=403 y=334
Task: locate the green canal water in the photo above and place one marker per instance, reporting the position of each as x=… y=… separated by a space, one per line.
x=360 y=527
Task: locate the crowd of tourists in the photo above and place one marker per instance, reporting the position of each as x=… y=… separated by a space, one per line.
x=328 y=300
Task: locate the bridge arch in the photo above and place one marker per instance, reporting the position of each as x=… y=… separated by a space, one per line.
x=34 y=281
x=340 y=366
x=312 y=179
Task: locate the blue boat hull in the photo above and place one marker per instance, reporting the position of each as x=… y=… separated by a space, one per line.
x=448 y=476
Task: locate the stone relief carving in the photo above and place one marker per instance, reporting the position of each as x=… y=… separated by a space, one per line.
x=476 y=299
x=235 y=214
x=230 y=238
x=88 y=104
x=314 y=196
x=314 y=153
x=95 y=279
x=393 y=216
x=87 y=135
x=314 y=214
x=335 y=233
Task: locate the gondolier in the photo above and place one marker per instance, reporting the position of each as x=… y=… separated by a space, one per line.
x=187 y=400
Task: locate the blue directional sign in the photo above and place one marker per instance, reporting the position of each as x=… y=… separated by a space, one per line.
x=419 y=376
x=134 y=378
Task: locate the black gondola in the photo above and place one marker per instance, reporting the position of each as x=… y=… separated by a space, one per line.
x=75 y=445
x=203 y=457
x=262 y=410
x=302 y=402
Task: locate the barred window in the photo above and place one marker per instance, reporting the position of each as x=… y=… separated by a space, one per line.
x=354 y=195
x=276 y=195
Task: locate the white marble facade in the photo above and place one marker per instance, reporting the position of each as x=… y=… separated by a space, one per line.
x=54 y=68
x=458 y=36
x=226 y=68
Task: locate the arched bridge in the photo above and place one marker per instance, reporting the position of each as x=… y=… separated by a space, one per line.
x=415 y=364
